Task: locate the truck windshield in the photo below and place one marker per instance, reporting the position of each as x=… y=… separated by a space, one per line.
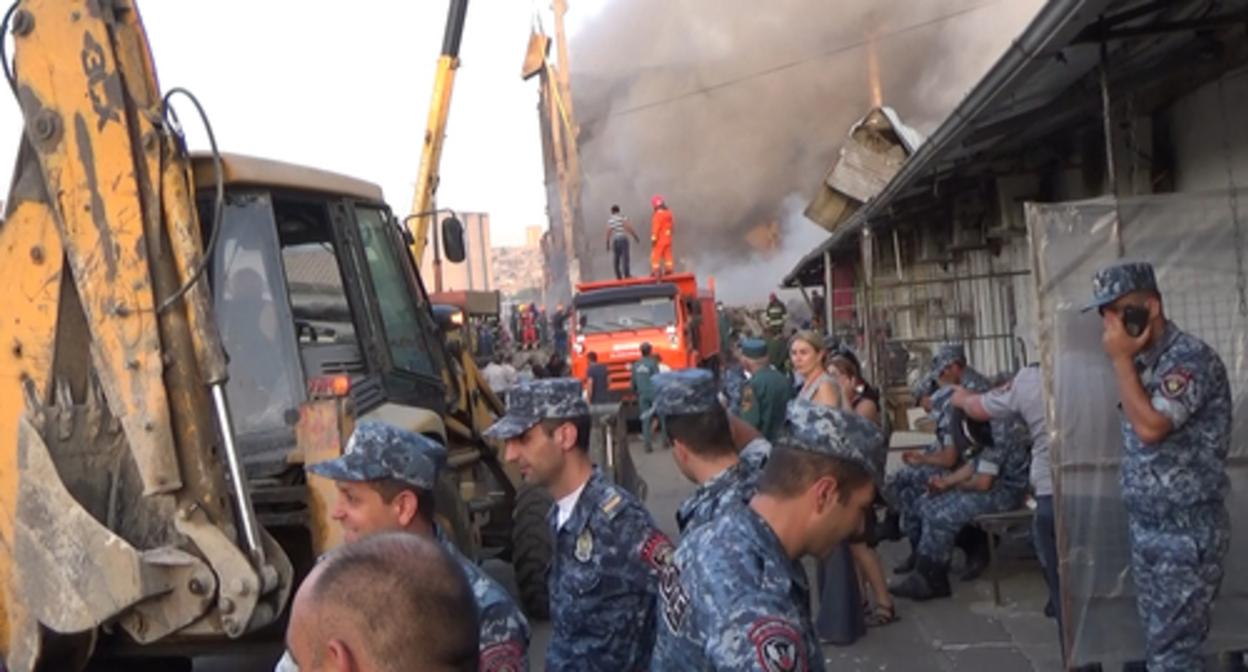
x=650 y=313
x=404 y=313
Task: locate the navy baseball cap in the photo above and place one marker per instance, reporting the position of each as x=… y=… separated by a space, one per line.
x=1114 y=282
x=545 y=399
x=835 y=432
x=377 y=451
x=684 y=392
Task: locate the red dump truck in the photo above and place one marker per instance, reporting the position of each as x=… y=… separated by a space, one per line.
x=614 y=317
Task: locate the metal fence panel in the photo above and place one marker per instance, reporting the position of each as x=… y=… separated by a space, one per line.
x=1195 y=242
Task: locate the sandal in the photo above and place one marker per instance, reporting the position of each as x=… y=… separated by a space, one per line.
x=883 y=614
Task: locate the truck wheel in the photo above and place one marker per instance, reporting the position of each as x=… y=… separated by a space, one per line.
x=532 y=549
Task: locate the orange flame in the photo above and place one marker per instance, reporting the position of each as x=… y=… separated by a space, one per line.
x=873 y=73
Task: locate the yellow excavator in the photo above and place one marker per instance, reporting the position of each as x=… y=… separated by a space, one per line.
x=179 y=336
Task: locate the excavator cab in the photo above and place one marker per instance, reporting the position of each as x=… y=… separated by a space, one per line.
x=311 y=286
x=313 y=293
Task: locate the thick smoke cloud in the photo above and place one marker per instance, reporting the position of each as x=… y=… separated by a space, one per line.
x=729 y=107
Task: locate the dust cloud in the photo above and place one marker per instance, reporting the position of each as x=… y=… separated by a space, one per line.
x=734 y=110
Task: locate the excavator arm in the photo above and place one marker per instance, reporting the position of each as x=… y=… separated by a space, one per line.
x=435 y=130
x=115 y=436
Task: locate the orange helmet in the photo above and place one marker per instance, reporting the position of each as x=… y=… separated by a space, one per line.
x=656 y=201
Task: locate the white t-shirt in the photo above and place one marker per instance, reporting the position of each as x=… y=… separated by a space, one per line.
x=1024 y=395
x=496 y=377
x=566 y=504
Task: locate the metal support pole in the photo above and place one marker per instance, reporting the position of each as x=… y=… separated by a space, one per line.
x=1111 y=170
x=828 y=289
x=868 y=326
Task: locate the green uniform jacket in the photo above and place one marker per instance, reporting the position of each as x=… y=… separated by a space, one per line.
x=764 y=400
x=778 y=352
x=643 y=370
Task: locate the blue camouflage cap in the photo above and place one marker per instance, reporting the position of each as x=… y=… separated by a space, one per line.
x=684 y=392
x=946 y=355
x=1114 y=282
x=922 y=387
x=378 y=451
x=754 y=348
x=835 y=432
x=545 y=399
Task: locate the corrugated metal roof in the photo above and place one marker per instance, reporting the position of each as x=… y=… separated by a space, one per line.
x=1045 y=83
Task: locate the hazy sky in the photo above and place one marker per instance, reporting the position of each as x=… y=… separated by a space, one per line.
x=346 y=87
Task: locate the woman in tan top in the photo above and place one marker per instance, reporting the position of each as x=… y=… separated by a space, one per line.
x=806 y=354
x=860 y=398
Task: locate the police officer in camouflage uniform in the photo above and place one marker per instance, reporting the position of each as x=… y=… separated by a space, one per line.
x=609 y=557
x=742 y=601
x=1176 y=429
x=644 y=369
x=734 y=380
x=993 y=482
x=698 y=428
x=386 y=478
x=765 y=395
x=908 y=485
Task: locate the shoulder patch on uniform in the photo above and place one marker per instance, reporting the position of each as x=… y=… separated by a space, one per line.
x=747 y=399
x=1175 y=382
x=657 y=551
x=612 y=502
x=778 y=645
x=502 y=657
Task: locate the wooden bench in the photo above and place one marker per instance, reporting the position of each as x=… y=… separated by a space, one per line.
x=1001 y=524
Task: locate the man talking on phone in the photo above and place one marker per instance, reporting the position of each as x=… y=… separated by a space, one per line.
x=1176 y=427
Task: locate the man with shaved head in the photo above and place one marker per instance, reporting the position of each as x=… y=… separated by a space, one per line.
x=392 y=602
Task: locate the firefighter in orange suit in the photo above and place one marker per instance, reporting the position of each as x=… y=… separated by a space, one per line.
x=660 y=238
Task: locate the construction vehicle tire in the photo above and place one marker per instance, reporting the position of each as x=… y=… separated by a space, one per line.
x=453 y=517
x=532 y=549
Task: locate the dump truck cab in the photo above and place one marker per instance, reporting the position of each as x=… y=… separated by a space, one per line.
x=614 y=318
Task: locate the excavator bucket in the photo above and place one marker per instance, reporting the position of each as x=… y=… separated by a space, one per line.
x=535 y=55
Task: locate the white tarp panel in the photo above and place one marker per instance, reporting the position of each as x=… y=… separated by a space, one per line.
x=1198 y=248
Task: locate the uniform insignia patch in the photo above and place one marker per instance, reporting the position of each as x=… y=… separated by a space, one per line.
x=657 y=551
x=502 y=657
x=585 y=546
x=1175 y=382
x=747 y=399
x=778 y=645
x=612 y=502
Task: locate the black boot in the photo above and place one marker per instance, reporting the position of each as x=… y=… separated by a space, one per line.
x=977 y=558
x=937 y=577
x=907 y=565
x=890 y=529
x=912 y=587
x=928 y=581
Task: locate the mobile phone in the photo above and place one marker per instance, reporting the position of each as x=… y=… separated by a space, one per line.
x=1134 y=320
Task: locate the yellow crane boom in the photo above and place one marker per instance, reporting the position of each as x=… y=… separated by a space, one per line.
x=435 y=131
